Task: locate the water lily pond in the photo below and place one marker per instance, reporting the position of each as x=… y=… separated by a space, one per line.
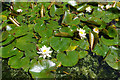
x=60 y=40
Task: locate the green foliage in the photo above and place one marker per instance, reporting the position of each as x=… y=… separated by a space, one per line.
x=69 y=59
x=56 y=25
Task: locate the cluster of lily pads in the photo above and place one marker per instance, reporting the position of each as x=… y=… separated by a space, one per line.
x=40 y=37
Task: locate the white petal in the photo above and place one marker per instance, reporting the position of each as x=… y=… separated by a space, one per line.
x=48 y=55
x=49 y=51
x=88 y=9
x=37 y=68
x=40 y=56
x=44 y=56
x=51 y=63
x=19 y=10
x=73 y=3
x=8 y=28
x=39 y=52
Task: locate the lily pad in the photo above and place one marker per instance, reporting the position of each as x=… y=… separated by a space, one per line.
x=110 y=41
x=101 y=49
x=67 y=17
x=60 y=44
x=69 y=59
x=112 y=58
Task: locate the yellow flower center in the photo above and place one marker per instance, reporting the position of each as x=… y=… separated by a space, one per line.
x=81 y=32
x=96 y=29
x=44 y=50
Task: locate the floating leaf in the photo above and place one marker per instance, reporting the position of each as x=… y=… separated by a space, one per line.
x=7 y=50
x=59 y=11
x=101 y=49
x=4 y=35
x=112 y=32
x=87 y=29
x=73 y=46
x=110 y=41
x=53 y=10
x=74 y=22
x=25 y=44
x=67 y=30
x=8 y=40
x=25 y=63
x=15 y=61
x=83 y=44
x=82 y=54
x=60 y=44
x=62 y=34
x=69 y=59
x=19 y=31
x=112 y=58
x=67 y=17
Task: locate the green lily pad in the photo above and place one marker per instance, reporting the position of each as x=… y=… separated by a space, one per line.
x=69 y=59
x=110 y=41
x=8 y=40
x=67 y=30
x=112 y=32
x=67 y=17
x=7 y=50
x=82 y=54
x=4 y=35
x=83 y=44
x=19 y=31
x=15 y=61
x=60 y=44
x=27 y=44
x=53 y=10
x=101 y=49
x=112 y=58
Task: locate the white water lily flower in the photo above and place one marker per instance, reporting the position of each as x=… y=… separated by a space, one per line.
x=73 y=3
x=96 y=30
x=108 y=6
x=51 y=64
x=37 y=68
x=8 y=28
x=44 y=51
x=88 y=9
x=19 y=10
x=81 y=33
